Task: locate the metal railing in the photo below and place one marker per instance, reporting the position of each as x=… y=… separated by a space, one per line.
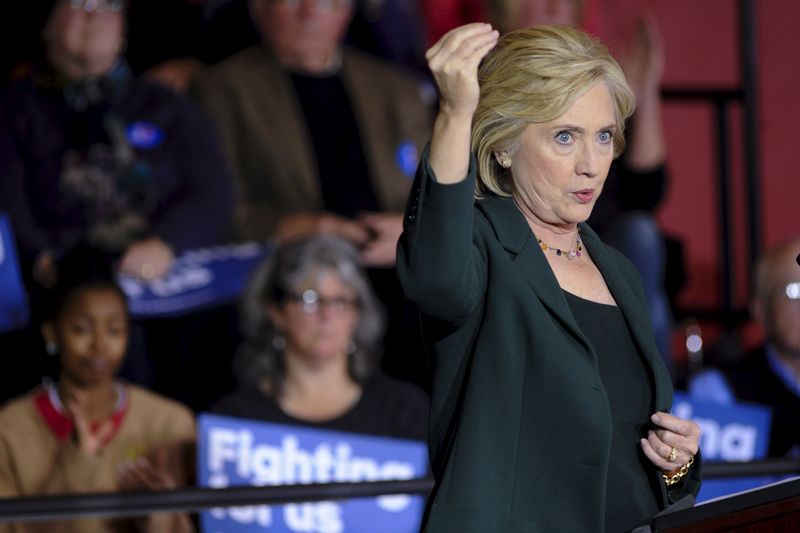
x=192 y=499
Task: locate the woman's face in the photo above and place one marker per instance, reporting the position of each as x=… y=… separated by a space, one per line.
x=85 y=37
x=319 y=320
x=559 y=167
x=92 y=335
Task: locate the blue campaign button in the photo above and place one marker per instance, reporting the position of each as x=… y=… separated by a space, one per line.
x=144 y=135
x=407 y=158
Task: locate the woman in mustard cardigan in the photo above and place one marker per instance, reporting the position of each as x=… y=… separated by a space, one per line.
x=550 y=407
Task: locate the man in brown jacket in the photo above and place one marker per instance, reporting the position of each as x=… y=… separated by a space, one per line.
x=322 y=139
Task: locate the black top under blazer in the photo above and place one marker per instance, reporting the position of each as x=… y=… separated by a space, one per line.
x=520 y=427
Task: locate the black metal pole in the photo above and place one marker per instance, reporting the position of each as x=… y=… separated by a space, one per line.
x=749 y=75
x=725 y=208
x=42 y=508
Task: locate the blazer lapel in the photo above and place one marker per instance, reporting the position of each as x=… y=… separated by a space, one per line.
x=516 y=237
x=632 y=307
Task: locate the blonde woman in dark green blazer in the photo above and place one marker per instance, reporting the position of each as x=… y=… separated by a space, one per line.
x=550 y=403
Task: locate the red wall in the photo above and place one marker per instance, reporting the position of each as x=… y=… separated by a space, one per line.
x=701 y=42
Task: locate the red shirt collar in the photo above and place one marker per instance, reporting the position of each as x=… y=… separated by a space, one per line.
x=52 y=411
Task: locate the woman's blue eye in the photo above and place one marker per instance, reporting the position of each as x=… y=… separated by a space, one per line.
x=605 y=136
x=564 y=137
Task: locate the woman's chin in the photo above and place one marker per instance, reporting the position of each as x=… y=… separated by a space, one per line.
x=323 y=354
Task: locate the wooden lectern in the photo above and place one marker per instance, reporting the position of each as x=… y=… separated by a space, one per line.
x=774 y=507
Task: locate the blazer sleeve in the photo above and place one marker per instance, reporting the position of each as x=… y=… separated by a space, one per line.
x=440 y=264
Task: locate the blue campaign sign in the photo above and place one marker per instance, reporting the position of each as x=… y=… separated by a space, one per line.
x=732 y=432
x=729 y=432
x=200 y=278
x=13 y=298
x=239 y=452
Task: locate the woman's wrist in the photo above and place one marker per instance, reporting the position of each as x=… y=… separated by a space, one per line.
x=676 y=475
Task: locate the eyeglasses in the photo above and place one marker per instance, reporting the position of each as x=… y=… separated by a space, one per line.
x=98 y=5
x=310 y=302
x=322 y=5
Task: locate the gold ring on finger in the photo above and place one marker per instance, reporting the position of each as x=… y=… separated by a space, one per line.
x=673 y=454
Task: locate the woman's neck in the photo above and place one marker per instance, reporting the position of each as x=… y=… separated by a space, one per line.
x=563 y=236
x=318 y=391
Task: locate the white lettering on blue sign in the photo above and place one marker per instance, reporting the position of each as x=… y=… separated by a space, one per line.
x=207 y=255
x=183 y=281
x=728 y=442
x=288 y=463
x=321 y=517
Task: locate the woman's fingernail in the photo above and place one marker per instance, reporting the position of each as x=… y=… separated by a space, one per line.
x=655 y=418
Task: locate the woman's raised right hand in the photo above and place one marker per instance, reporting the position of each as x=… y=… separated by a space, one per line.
x=454 y=61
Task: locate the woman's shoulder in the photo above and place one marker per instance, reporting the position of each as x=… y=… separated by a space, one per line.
x=22 y=427
x=155 y=405
x=19 y=408
x=393 y=407
x=156 y=418
x=247 y=402
x=391 y=388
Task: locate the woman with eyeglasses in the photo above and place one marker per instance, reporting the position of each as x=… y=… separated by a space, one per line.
x=313 y=329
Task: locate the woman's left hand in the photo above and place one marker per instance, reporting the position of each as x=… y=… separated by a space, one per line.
x=672 y=443
x=145 y=473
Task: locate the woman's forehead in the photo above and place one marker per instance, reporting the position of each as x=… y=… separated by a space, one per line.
x=324 y=277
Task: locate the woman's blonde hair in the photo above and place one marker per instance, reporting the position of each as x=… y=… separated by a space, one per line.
x=534 y=75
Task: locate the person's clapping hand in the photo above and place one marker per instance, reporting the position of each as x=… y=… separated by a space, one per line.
x=153 y=473
x=303 y=224
x=673 y=443
x=87 y=441
x=146 y=473
x=177 y=74
x=643 y=60
x=147 y=259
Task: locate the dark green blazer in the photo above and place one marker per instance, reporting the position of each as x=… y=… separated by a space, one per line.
x=520 y=426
